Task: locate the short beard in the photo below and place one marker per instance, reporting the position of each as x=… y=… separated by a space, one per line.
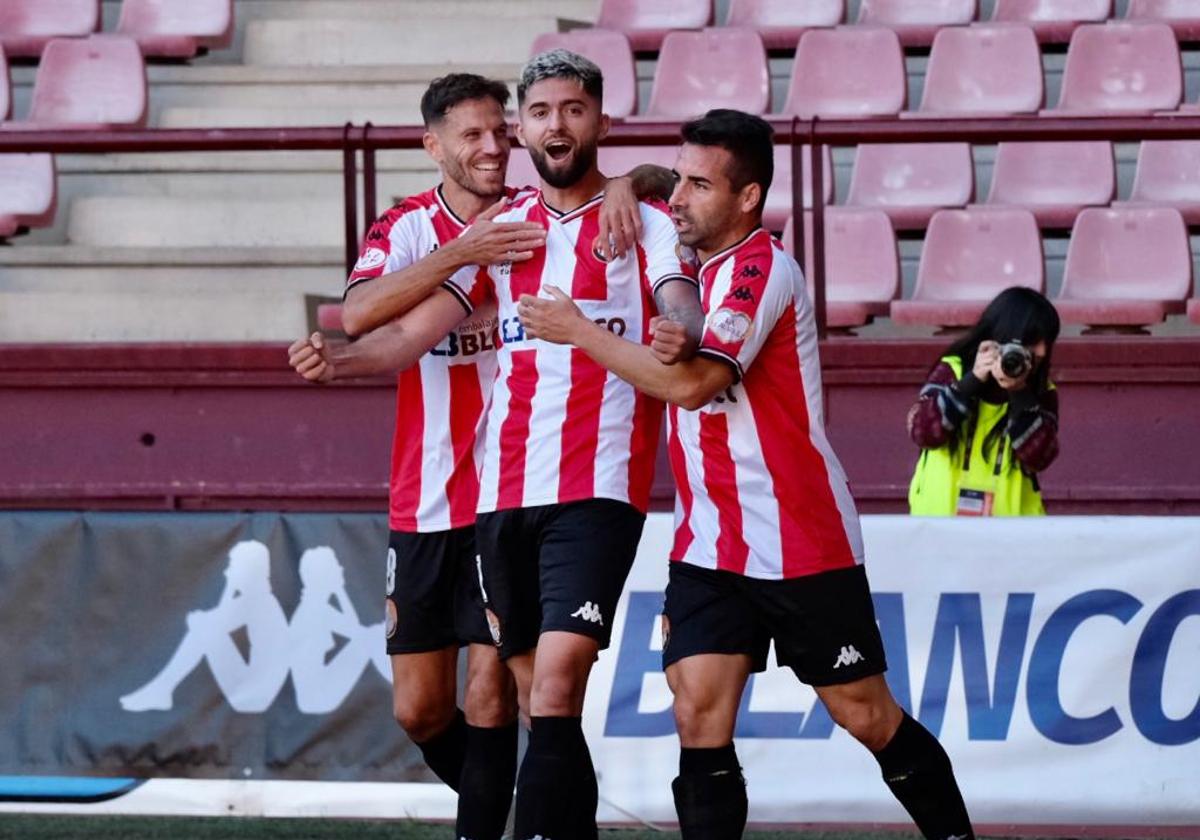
x=585 y=159
x=457 y=174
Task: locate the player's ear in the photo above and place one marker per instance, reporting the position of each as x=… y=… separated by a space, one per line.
x=605 y=125
x=520 y=133
x=750 y=197
x=432 y=146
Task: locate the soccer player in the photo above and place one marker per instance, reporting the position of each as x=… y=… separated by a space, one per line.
x=767 y=545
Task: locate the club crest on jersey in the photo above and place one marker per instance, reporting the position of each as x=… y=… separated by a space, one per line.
x=371 y=258
x=598 y=250
x=729 y=325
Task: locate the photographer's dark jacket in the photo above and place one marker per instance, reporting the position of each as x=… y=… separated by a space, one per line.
x=981 y=445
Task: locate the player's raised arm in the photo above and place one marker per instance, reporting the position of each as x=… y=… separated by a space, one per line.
x=484 y=242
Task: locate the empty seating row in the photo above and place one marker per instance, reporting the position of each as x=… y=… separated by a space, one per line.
x=1126 y=267
x=782 y=22
x=162 y=28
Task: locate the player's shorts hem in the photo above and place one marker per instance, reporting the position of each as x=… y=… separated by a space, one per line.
x=422 y=647
x=602 y=635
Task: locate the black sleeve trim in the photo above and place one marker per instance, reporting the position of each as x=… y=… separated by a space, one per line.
x=459 y=295
x=355 y=282
x=667 y=278
x=720 y=356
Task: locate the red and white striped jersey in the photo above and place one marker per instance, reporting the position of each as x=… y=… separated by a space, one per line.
x=440 y=400
x=760 y=492
x=560 y=427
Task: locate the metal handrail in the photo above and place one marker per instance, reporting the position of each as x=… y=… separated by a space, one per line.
x=815 y=133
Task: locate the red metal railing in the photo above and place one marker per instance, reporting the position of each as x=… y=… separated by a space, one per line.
x=816 y=133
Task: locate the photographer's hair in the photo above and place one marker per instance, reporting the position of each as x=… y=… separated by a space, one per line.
x=1016 y=314
x=447 y=91
x=746 y=137
x=561 y=64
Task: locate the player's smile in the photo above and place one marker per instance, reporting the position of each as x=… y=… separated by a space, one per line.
x=558 y=149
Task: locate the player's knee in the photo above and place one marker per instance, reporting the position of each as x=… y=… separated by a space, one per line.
x=557 y=694
x=697 y=717
x=421 y=721
x=490 y=701
x=868 y=722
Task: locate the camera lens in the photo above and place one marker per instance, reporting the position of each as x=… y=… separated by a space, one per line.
x=1014 y=360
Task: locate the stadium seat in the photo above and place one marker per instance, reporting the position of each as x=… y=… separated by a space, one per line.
x=329 y=317
x=983 y=70
x=1053 y=21
x=1121 y=67
x=611 y=52
x=782 y=22
x=779 y=197
x=968 y=258
x=5 y=88
x=94 y=83
x=28 y=192
x=1053 y=180
x=910 y=181
x=862 y=268
x=1183 y=16
x=1126 y=267
x=722 y=67
x=916 y=21
x=1168 y=172
x=177 y=28
x=26 y=26
x=646 y=22
x=1193 y=310
x=830 y=78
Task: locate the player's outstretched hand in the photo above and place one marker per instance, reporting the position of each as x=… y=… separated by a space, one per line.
x=310 y=358
x=669 y=340
x=487 y=242
x=554 y=320
x=620 y=219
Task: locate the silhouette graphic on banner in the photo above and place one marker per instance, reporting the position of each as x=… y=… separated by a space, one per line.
x=325 y=647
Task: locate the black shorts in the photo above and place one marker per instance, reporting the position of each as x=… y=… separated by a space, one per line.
x=433 y=598
x=823 y=625
x=556 y=567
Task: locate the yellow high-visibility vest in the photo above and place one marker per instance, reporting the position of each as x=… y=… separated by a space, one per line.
x=991 y=484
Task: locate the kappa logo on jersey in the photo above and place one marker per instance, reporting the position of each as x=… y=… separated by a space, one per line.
x=730 y=326
x=589 y=612
x=743 y=293
x=848 y=656
x=371 y=258
x=376 y=235
x=749 y=272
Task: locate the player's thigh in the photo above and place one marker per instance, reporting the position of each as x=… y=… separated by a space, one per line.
x=586 y=551
x=708 y=689
x=507 y=547
x=560 y=672
x=490 y=697
x=422 y=573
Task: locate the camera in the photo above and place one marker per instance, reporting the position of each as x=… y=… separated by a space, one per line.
x=1015 y=359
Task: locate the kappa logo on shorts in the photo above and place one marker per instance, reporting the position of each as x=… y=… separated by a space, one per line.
x=589 y=612
x=848 y=656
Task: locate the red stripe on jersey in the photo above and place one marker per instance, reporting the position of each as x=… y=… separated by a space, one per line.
x=811 y=533
x=683 y=534
x=526 y=277
x=591 y=275
x=514 y=432
x=581 y=429
x=466 y=406
x=720 y=480
x=407 y=450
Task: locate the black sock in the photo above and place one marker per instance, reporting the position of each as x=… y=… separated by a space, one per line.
x=710 y=794
x=486 y=792
x=586 y=793
x=918 y=771
x=445 y=752
x=552 y=786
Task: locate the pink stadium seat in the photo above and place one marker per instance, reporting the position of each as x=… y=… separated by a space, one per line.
x=28 y=192
x=782 y=22
x=1193 y=310
x=95 y=83
x=910 y=181
x=5 y=88
x=1121 y=67
x=1183 y=16
x=329 y=317
x=1126 y=267
x=611 y=52
x=647 y=22
x=177 y=28
x=779 y=197
x=1054 y=180
x=862 y=268
x=722 y=67
x=983 y=70
x=968 y=258
x=916 y=21
x=1168 y=172
x=26 y=26
x=1052 y=20
x=831 y=79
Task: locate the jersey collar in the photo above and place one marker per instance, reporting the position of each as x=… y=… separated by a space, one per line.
x=445 y=205
x=719 y=257
x=571 y=215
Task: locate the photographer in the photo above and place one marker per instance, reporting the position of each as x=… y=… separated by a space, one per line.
x=987 y=416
